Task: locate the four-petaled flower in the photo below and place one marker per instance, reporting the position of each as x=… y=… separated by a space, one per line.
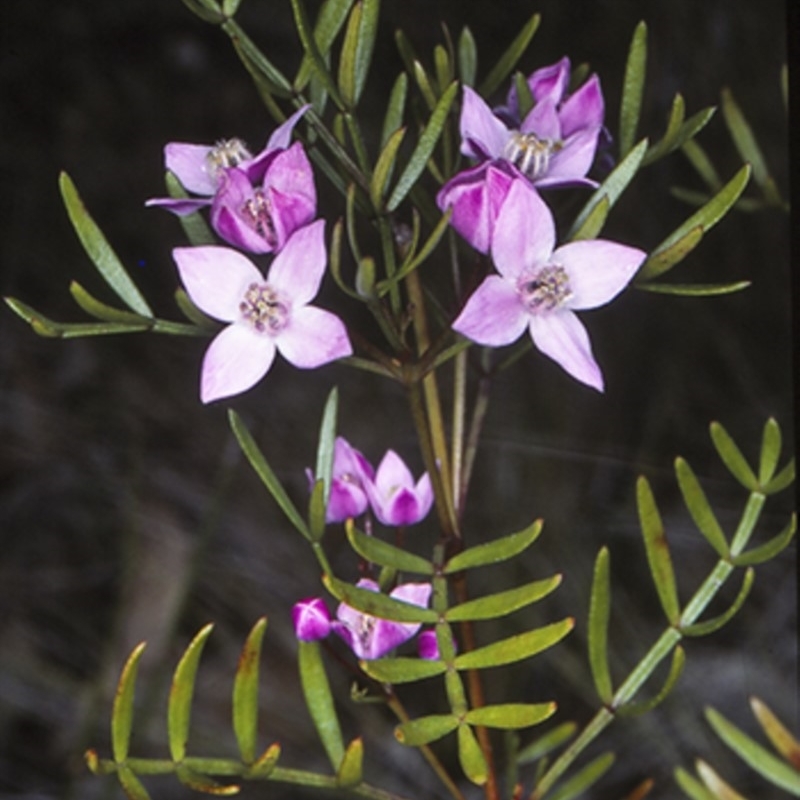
x=539 y=288
x=265 y=314
x=371 y=637
x=311 y=619
x=393 y=495
x=257 y=202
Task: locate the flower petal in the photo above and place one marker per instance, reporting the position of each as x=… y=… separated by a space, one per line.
x=417 y=594
x=560 y=335
x=494 y=315
x=298 y=269
x=346 y=500
x=392 y=473
x=584 y=108
x=483 y=135
x=227 y=213
x=189 y=163
x=282 y=135
x=237 y=359
x=216 y=278
x=550 y=81
x=313 y=337
x=598 y=270
x=543 y=120
x=525 y=233
x=181 y=206
x=311 y=619
x=571 y=163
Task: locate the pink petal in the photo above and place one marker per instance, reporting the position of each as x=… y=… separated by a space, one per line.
x=237 y=359
x=400 y=507
x=188 y=162
x=289 y=213
x=313 y=337
x=386 y=635
x=483 y=135
x=543 y=120
x=417 y=594
x=298 y=269
x=427 y=646
x=583 y=109
x=346 y=500
x=392 y=472
x=494 y=315
x=226 y=213
x=550 y=81
x=574 y=159
x=179 y=206
x=282 y=135
x=311 y=619
x=525 y=233
x=560 y=335
x=216 y=278
x=598 y=270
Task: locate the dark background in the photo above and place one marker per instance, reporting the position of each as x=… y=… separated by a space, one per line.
x=126 y=512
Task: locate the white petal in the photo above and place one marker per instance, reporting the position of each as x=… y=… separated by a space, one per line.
x=298 y=269
x=313 y=337
x=494 y=315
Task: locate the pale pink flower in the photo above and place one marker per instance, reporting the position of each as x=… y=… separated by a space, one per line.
x=394 y=496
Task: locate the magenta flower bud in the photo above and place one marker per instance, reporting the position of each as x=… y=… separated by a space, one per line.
x=311 y=619
x=427 y=646
x=393 y=495
x=348 y=497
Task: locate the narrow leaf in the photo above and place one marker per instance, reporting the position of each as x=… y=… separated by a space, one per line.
x=770 y=451
x=122 y=714
x=311 y=49
x=395 y=108
x=266 y=762
x=778 y=734
x=612 y=187
x=384 y=167
x=632 y=89
x=675 y=671
x=699 y=159
x=402 y=670
x=317 y=511
x=95 y=308
x=386 y=555
x=691 y=786
x=668 y=140
x=711 y=625
x=580 y=782
x=444 y=69
x=131 y=784
x=424 y=149
x=327 y=439
x=198 y=782
x=269 y=80
x=347 y=59
x=351 y=770
x=753 y=754
x=675 y=253
x=245 y=693
x=425 y=85
x=732 y=457
x=180 y=696
x=377 y=604
x=695 y=499
x=332 y=16
x=493 y=552
x=718 y=787
x=194 y=226
x=516 y=648
x=552 y=740
x=421 y=731
x=467 y=57
x=508 y=61
x=658 y=557
x=597 y=632
x=367 y=31
x=500 y=604
x=768 y=550
x=471 y=757
x=594 y=221
x=510 y=716
x=706 y=218
x=265 y=473
x=99 y=250
x=319 y=700
x=693 y=289
x=783 y=479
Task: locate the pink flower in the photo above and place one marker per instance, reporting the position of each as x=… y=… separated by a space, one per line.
x=265 y=315
x=311 y=619
x=540 y=287
x=393 y=495
x=372 y=637
x=257 y=202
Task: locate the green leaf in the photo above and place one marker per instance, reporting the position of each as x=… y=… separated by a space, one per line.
x=194 y=226
x=770 y=451
x=699 y=159
x=493 y=552
x=332 y=16
x=754 y=755
x=99 y=250
x=327 y=441
x=99 y=310
x=778 y=734
x=471 y=756
x=704 y=628
x=230 y=7
x=265 y=473
x=691 y=786
x=597 y=632
x=444 y=69
x=667 y=143
x=500 y=604
x=525 y=99
x=694 y=289
x=377 y=604
x=705 y=218
x=421 y=731
x=245 y=693
x=657 y=547
x=335 y=260
x=546 y=744
x=122 y=714
x=515 y=648
x=672 y=255
x=508 y=61
x=269 y=80
x=207 y=10
x=695 y=499
x=611 y=188
x=312 y=50
x=425 y=85
x=180 y=696
x=386 y=555
x=732 y=457
x=402 y=670
x=632 y=89
x=131 y=784
x=580 y=782
x=351 y=770
x=317 y=511
x=348 y=57
x=395 y=108
x=406 y=50
x=594 y=220
x=424 y=149
x=198 y=782
x=189 y=310
x=675 y=671
x=384 y=167
x=266 y=762
x=467 y=57
x=718 y=788
x=510 y=716
x=319 y=700
x=768 y=550
x=783 y=479
x=677 y=138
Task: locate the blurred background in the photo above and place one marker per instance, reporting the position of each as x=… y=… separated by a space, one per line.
x=127 y=513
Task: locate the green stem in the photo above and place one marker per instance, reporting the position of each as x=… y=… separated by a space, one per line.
x=475 y=428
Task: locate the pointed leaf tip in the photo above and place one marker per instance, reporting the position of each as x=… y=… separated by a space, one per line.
x=122 y=713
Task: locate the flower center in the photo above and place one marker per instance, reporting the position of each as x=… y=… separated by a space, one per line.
x=544 y=289
x=225 y=154
x=257 y=213
x=530 y=154
x=264 y=309
x=366 y=629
